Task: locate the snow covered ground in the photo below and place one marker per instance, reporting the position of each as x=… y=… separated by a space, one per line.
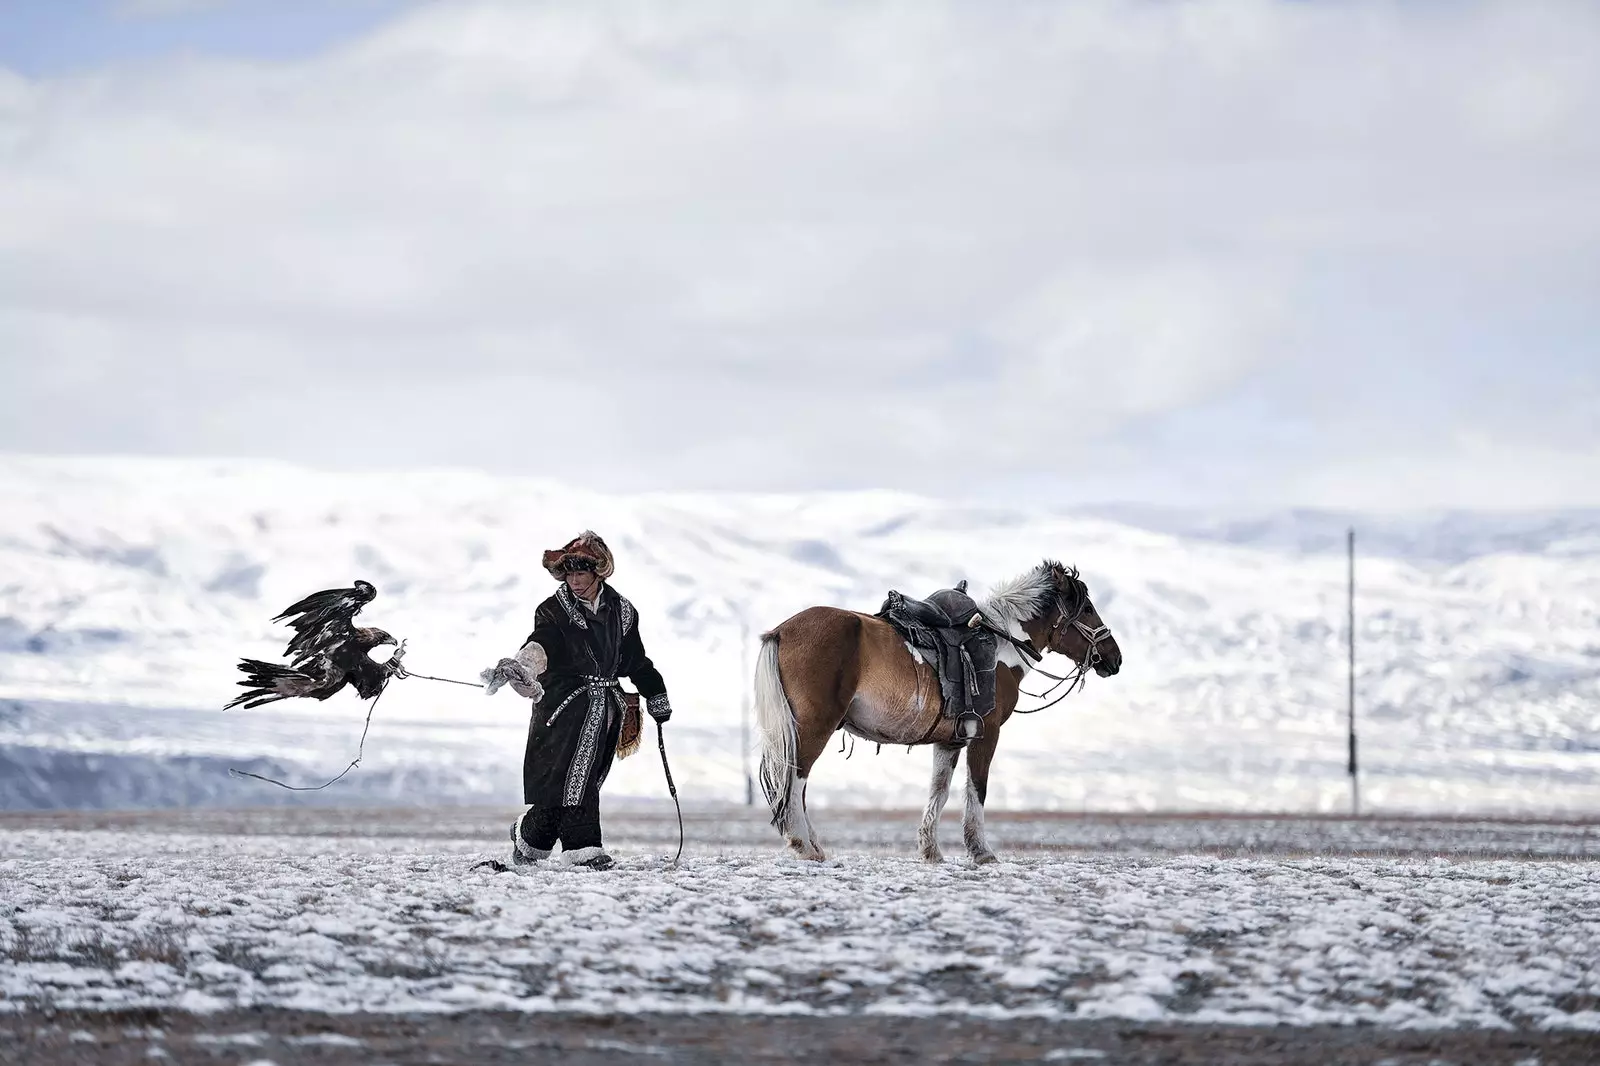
x=305 y=912
x=129 y=588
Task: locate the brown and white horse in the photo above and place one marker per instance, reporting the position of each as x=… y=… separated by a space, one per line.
x=827 y=669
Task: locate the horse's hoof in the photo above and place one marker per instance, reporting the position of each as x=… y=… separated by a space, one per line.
x=932 y=860
x=805 y=851
x=985 y=859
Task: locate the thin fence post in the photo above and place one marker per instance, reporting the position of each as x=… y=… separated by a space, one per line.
x=1355 y=784
x=744 y=712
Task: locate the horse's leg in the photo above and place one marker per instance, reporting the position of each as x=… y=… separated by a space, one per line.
x=811 y=715
x=835 y=675
x=789 y=738
x=944 y=768
x=809 y=748
x=979 y=753
x=796 y=824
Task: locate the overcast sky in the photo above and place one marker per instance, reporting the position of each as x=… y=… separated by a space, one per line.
x=1236 y=252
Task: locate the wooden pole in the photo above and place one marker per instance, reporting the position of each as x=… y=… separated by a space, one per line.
x=1355 y=785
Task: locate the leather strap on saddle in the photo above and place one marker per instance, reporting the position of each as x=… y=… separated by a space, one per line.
x=949 y=629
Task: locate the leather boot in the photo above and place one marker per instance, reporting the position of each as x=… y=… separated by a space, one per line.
x=523 y=853
x=590 y=858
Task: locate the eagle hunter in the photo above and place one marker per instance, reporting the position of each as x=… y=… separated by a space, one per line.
x=327 y=652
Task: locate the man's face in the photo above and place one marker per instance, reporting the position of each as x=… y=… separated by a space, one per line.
x=582 y=583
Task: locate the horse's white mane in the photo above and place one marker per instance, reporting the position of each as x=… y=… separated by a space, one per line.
x=1020 y=599
x=1015 y=601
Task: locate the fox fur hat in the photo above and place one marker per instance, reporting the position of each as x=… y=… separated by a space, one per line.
x=586 y=551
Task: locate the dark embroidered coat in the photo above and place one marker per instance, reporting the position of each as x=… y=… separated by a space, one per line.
x=572 y=739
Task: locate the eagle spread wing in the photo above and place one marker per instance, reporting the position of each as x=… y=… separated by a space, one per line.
x=322 y=621
x=326 y=652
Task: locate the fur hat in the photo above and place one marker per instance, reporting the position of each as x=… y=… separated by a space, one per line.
x=586 y=551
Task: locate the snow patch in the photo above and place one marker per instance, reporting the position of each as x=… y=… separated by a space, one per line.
x=112 y=920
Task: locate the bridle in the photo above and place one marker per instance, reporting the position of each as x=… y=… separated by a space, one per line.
x=1079 y=675
x=1093 y=634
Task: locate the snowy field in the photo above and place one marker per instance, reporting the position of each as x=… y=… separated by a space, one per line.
x=1200 y=921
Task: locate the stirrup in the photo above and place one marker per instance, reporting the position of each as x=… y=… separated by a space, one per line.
x=969 y=727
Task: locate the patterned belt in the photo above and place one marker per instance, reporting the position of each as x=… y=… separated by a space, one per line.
x=596 y=687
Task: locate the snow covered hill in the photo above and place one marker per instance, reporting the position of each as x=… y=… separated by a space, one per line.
x=128 y=589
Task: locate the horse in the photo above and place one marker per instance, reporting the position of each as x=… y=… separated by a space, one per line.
x=826 y=669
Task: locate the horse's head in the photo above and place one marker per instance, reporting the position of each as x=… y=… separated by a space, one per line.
x=1076 y=629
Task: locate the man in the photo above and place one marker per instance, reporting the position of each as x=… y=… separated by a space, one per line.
x=584 y=638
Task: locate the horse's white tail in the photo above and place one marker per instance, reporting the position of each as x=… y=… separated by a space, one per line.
x=780 y=743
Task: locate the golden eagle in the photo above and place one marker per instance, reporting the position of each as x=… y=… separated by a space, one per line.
x=327 y=652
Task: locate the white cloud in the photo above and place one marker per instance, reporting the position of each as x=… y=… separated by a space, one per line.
x=767 y=232
x=1114 y=343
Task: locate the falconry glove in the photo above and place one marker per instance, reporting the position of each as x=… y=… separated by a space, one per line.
x=521 y=673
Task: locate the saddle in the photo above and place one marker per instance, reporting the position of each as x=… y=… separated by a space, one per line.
x=963 y=655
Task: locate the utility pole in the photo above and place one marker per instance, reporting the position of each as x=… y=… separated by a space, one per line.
x=744 y=712
x=1355 y=784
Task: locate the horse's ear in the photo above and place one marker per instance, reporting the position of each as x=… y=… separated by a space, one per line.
x=961 y=586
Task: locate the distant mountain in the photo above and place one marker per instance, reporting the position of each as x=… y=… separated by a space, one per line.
x=128 y=589
x=1436 y=537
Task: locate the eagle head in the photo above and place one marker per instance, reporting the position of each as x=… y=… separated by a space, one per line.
x=370 y=638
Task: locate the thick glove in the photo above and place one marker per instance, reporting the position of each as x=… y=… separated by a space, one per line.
x=658 y=706
x=514 y=674
x=530 y=690
x=521 y=673
x=510 y=672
